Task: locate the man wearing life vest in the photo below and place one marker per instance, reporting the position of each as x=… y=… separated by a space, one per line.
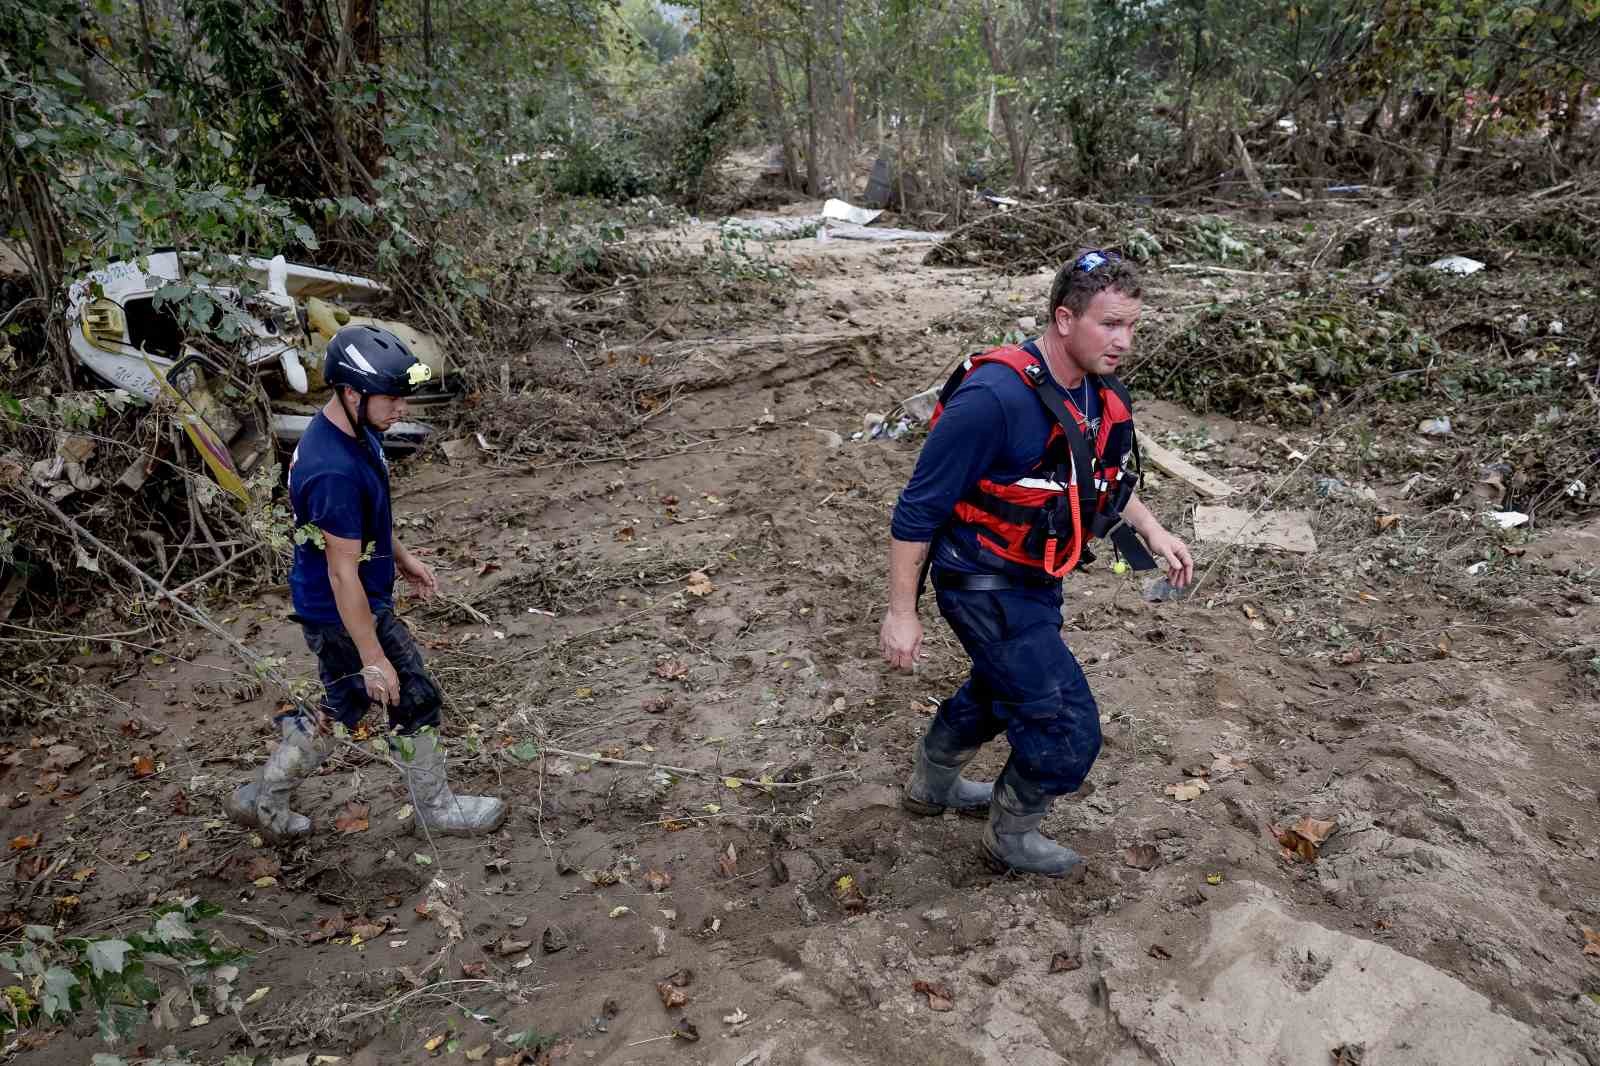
x=1031 y=457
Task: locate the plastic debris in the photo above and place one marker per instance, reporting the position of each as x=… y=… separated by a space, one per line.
x=1434 y=427
x=1455 y=264
x=1509 y=519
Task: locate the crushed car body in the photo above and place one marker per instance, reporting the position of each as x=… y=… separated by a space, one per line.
x=118 y=330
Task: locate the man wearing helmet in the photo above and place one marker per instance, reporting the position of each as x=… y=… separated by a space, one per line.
x=345 y=561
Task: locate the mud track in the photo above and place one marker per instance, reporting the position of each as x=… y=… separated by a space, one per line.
x=1440 y=923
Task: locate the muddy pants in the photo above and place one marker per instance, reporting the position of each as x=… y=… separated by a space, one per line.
x=344 y=693
x=1024 y=682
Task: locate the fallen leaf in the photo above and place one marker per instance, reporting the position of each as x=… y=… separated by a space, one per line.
x=47 y=782
x=1141 y=856
x=1224 y=765
x=433 y=1043
x=698 y=584
x=477 y=1053
x=83 y=875
x=1189 y=790
x=625 y=534
x=475 y=969
x=141 y=856
x=733 y=782
x=1591 y=941
x=671 y=996
x=601 y=878
x=1304 y=839
x=258 y=995
x=1385 y=521
x=728 y=861
x=940 y=997
x=368 y=930
x=671 y=670
x=327 y=928
x=618 y=912
x=23 y=843
x=264 y=882
x=183 y=841
x=352 y=819
x=143 y=766
x=261 y=866
x=507 y=946
x=31 y=866
x=63 y=757
x=669 y=501
x=686 y=1031
x=1061 y=962
x=848 y=894
x=657 y=880
x=1213 y=879
x=657 y=704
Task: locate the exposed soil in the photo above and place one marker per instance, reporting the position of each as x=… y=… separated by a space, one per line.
x=1434 y=720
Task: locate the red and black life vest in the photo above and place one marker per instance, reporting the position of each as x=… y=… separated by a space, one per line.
x=1077 y=489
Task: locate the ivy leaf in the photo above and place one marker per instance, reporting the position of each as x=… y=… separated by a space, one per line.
x=304 y=234
x=108 y=956
x=58 y=985
x=22 y=138
x=172 y=928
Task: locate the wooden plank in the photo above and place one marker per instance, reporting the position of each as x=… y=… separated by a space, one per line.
x=1183 y=470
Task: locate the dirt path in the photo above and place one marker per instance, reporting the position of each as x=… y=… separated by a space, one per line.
x=1441 y=922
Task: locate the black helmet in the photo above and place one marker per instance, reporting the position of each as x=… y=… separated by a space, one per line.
x=374 y=362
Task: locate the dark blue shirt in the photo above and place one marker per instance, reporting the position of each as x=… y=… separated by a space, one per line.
x=994 y=427
x=340 y=485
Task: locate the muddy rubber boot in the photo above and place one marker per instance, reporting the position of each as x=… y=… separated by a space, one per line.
x=263 y=803
x=440 y=809
x=936 y=781
x=1011 y=840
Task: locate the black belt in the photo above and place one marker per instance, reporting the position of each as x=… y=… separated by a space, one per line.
x=950 y=579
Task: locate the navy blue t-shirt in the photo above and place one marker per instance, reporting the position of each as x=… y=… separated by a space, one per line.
x=340 y=484
x=994 y=427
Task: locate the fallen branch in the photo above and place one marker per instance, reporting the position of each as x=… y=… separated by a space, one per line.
x=592 y=756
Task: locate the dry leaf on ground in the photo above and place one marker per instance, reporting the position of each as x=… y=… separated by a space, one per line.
x=657 y=880
x=63 y=757
x=1141 y=856
x=143 y=766
x=671 y=670
x=1189 y=790
x=699 y=584
x=1304 y=839
x=671 y=996
x=507 y=946
x=940 y=997
x=24 y=842
x=353 y=819
x=1062 y=962
x=728 y=861
x=1591 y=941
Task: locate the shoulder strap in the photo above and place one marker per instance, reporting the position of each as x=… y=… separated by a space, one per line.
x=1078 y=443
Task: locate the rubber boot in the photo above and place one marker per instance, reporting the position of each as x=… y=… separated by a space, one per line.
x=263 y=803
x=1011 y=840
x=936 y=781
x=438 y=808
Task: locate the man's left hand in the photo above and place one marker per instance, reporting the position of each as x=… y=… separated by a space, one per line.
x=418 y=574
x=1180 y=564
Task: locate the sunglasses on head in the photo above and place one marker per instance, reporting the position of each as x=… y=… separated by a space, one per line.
x=1089 y=262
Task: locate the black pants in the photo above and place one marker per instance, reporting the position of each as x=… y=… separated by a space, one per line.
x=344 y=692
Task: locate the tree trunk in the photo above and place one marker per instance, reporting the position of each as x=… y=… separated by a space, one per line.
x=780 y=115
x=813 y=141
x=366 y=46
x=1008 y=117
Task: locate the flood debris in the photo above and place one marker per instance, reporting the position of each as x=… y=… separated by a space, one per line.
x=1177 y=466
x=1288 y=531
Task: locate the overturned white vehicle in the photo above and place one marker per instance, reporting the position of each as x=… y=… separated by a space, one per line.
x=118 y=331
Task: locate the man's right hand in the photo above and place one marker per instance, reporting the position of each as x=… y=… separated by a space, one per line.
x=383 y=684
x=900 y=640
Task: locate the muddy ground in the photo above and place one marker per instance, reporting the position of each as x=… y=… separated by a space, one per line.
x=1434 y=721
